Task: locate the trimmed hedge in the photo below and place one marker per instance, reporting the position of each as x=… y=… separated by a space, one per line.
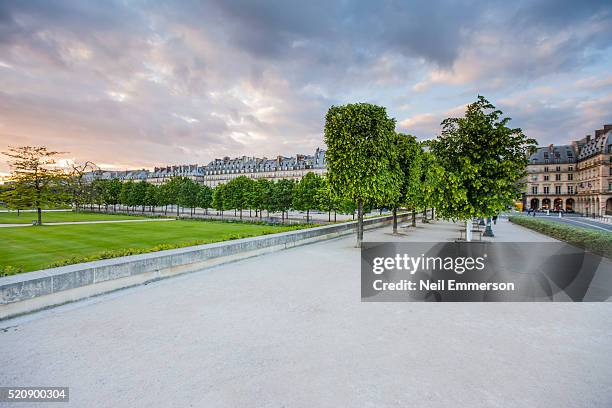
x=594 y=241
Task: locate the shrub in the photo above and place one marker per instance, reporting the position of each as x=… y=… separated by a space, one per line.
x=594 y=241
x=8 y=270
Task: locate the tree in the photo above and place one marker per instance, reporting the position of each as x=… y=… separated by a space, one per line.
x=112 y=192
x=36 y=182
x=361 y=156
x=138 y=194
x=326 y=200
x=126 y=192
x=236 y=193
x=483 y=159
x=172 y=191
x=98 y=191
x=305 y=193
x=282 y=196
x=78 y=186
x=262 y=192
x=188 y=195
x=152 y=196
x=218 y=199
x=409 y=160
x=205 y=198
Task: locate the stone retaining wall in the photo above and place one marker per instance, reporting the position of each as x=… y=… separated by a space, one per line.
x=32 y=291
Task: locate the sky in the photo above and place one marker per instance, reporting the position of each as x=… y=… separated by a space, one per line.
x=134 y=84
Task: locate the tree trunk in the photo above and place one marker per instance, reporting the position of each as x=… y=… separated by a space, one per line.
x=335 y=215
x=39 y=211
x=395 y=220
x=359 y=223
x=307 y=216
x=413 y=217
x=329 y=216
x=241 y=214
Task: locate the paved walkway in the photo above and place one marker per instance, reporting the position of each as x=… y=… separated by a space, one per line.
x=86 y=222
x=288 y=329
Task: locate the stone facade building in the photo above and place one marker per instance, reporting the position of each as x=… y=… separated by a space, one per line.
x=550 y=178
x=575 y=177
x=220 y=171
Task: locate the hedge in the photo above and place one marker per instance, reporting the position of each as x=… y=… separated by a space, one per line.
x=593 y=241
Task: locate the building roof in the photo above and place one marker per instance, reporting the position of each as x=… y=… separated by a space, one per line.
x=600 y=144
x=553 y=155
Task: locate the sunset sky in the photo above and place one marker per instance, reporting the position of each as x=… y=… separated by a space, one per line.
x=143 y=83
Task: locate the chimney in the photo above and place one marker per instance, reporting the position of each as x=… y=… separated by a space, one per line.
x=588 y=138
x=606 y=128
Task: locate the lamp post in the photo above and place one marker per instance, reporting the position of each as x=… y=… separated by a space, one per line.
x=488 y=231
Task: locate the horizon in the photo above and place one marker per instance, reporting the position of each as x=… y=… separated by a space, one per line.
x=131 y=87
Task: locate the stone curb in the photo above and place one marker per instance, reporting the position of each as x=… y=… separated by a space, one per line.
x=31 y=291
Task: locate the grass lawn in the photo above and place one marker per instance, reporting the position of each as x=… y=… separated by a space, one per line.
x=33 y=248
x=57 y=216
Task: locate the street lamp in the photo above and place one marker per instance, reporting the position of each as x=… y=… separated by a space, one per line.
x=488 y=231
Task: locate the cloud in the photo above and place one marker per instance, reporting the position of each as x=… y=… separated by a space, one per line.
x=163 y=82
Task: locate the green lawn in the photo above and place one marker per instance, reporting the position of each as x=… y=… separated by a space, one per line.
x=33 y=248
x=63 y=216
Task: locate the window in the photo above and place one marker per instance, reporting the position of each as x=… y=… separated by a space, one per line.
x=546 y=169
x=534 y=189
x=610 y=186
x=546 y=177
x=570 y=177
x=546 y=189
x=558 y=168
x=546 y=161
x=534 y=178
x=611 y=171
x=570 y=168
x=570 y=189
x=557 y=177
x=557 y=189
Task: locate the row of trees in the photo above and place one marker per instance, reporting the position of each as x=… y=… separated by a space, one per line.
x=312 y=192
x=37 y=184
x=473 y=169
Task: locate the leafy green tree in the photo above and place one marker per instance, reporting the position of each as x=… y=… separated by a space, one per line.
x=188 y=195
x=205 y=198
x=152 y=196
x=138 y=193
x=163 y=196
x=483 y=159
x=282 y=196
x=36 y=183
x=236 y=193
x=409 y=160
x=361 y=156
x=346 y=206
x=326 y=200
x=172 y=191
x=261 y=195
x=112 y=192
x=98 y=190
x=218 y=199
x=126 y=193
x=305 y=193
